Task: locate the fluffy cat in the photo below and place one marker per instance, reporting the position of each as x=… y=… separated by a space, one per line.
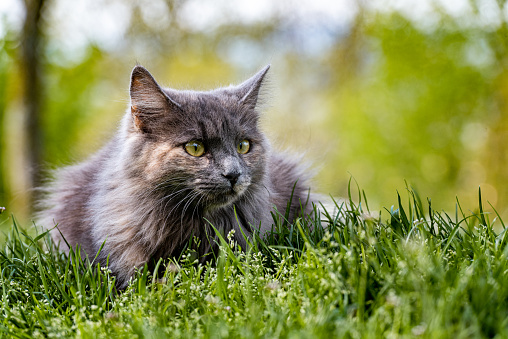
x=180 y=161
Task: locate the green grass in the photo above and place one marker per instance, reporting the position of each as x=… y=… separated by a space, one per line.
x=413 y=273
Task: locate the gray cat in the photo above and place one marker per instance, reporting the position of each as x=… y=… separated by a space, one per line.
x=180 y=161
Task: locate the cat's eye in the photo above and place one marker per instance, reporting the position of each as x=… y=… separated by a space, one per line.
x=195 y=148
x=243 y=146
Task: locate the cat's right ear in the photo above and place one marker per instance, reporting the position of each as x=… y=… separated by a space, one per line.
x=148 y=100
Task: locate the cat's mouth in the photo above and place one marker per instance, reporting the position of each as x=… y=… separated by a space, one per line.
x=221 y=201
x=219 y=193
x=224 y=196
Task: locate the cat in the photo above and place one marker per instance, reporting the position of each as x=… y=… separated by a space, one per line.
x=179 y=162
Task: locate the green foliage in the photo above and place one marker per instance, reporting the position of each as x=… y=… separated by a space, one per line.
x=419 y=273
x=425 y=105
x=6 y=64
x=388 y=99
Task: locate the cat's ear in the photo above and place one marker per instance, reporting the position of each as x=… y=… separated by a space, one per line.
x=248 y=91
x=148 y=100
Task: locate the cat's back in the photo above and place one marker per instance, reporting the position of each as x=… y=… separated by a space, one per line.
x=290 y=180
x=66 y=199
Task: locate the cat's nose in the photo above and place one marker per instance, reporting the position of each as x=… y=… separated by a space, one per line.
x=232 y=177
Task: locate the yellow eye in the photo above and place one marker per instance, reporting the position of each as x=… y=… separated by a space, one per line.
x=195 y=148
x=243 y=147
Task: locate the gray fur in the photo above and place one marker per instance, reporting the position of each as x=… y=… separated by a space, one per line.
x=145 y=196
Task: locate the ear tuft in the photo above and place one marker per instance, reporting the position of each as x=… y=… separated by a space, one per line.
x=248 y=91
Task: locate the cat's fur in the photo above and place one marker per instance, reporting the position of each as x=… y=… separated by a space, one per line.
x=145 y=196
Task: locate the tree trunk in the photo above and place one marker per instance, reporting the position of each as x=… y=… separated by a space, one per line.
x=32 y=48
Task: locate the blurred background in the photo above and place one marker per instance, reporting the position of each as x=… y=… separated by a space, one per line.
x=386 y=91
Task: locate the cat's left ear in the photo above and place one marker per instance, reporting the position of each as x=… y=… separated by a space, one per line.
x=248 y=91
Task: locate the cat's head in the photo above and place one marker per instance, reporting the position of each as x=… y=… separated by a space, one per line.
x=205 y=147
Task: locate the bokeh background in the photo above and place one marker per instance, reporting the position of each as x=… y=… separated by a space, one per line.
x=391 y=92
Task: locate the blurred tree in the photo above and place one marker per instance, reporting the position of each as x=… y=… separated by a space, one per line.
x=32 y=42
x=421 y=105
x=5 y=65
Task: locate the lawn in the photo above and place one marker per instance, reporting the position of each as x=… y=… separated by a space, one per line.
x=412 y=272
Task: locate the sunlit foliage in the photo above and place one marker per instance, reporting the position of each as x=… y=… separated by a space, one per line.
x=383 y=96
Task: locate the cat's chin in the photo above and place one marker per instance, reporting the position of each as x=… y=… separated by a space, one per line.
x=218 y=204
x=222 y=201
x=224 y=197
